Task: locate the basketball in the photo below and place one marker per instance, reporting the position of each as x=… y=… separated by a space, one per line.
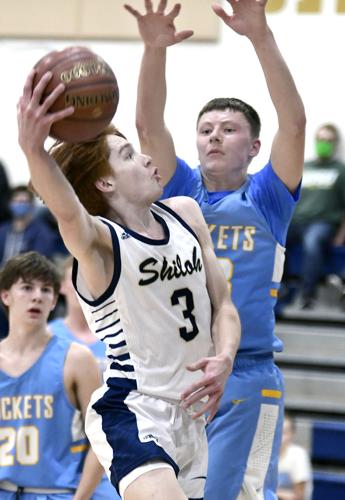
x=90 y=86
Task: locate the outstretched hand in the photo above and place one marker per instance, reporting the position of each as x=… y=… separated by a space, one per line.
x=33 y=116
x=248 y=16
x=157 y=29
x=211 y=385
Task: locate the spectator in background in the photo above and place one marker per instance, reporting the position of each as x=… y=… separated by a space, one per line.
x=44 y=214
x=4 y=194
x=319 y=219
x=295 y=472
x=24 y=232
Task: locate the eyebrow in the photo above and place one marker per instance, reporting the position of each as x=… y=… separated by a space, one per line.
x=32 y=280
x=125 y=146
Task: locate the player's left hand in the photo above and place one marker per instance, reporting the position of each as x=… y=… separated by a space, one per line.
x=247 y=18
x=216 y=372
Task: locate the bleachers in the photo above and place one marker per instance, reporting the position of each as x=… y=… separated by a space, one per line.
x=335 y=261
x=313 y=365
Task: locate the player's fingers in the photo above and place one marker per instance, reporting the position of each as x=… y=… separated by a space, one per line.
x=196 y=395
x=27 y=90
x=148 y=6
x=220 y=12
x=174 y=12
x=51 y=98
x=212 y=408
x=209 y=407
x=162 y=6
x=183 y=35
x=60 y=115
x=198 y=365
x=132 y=11
x=39 y=88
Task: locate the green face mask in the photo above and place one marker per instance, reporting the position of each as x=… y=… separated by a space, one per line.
x=324 y=149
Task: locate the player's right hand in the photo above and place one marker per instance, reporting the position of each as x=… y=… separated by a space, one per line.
x=157 y=29
x=34 y=119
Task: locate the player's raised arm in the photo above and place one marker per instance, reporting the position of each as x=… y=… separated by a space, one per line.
x=158 y=32
x=79 y=230
x=287 y=155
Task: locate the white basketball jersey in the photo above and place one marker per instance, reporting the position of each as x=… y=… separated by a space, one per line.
x=155 y=317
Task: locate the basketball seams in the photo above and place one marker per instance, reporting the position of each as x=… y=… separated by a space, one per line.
x=94 y=94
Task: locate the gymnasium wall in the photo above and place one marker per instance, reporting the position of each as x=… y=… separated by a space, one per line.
x=310 y=33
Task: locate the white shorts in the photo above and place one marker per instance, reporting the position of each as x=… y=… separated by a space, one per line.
x=128 y=429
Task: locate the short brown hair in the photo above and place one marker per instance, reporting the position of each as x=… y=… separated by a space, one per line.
x=83 y=163
x=29 y=266
x=237 y=106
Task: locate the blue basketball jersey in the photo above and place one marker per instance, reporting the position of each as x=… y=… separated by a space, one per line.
x=105 y=490
x=248 y=228
x=58 y=327
x=41 y=441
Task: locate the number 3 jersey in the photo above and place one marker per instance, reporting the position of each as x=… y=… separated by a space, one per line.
x=155 y=317
x=41 y=442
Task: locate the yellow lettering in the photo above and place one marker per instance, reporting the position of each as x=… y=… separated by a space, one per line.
x=309 y=6
x=48 y=406
x=248 y=244
x=211 y=227
x=275 y=5
x=27 y=407
x=16 y=412
x=221 y=237
x=38 y=398
x=236 y=237
x=5 y=413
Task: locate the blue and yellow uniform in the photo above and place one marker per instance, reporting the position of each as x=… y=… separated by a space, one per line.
x=248 y=228
x=42 y=446
x=105 y=490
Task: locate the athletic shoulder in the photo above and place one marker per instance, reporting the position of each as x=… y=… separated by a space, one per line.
x=184 y=206
x=78 y=353
x=189 y=210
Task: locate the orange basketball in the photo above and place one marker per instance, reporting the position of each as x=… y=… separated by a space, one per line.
x=91 y=87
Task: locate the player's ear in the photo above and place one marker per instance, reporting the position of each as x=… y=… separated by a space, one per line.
x=255 y=148
x=105 y=184
x=54 y=303
x=4 y=296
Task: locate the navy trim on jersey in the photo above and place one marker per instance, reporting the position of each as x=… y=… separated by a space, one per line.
x=110 y=335
x=103 y=306
x=174 y=214
x=116 y=274
x=147 y=240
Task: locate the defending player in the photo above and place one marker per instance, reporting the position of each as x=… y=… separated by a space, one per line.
x=45 y=386
x=151 y=289
x=248 y=216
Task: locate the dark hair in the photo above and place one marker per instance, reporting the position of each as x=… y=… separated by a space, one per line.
x=29 y=266
x=22 y=188
x=332 y=128
x=233 y=104
x=83 y=163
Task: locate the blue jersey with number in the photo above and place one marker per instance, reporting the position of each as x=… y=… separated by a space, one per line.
x=57 y=326
x=248 y=228
x=41 y=442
